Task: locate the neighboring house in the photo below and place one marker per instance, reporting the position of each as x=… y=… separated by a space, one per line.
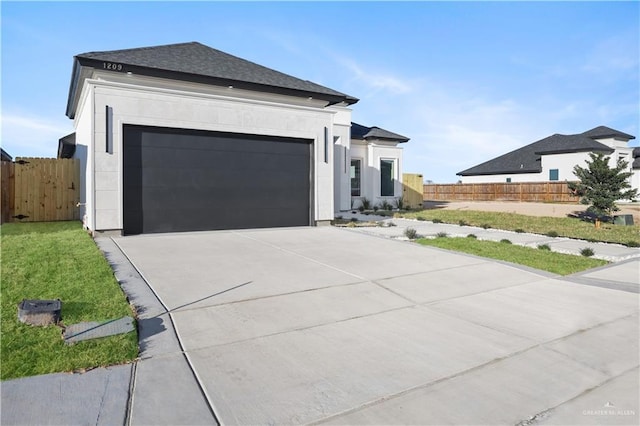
x=184 y=137
x=4 y=156
x=635 y=168
x=376 y=164
x=553 y=158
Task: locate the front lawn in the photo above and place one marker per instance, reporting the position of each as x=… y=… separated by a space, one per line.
x=557 y=263
x=563 y=226
x=58 y=261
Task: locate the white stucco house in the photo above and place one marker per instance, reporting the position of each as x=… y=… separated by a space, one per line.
x=553 y=158
x=184 y=137
x=375 y=167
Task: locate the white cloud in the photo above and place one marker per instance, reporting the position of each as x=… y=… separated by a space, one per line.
x=32 y=136
x=614 y=57
x=378 y=81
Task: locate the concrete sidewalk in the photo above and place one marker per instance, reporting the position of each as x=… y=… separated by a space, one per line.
x=327 y=325
x=609 y=252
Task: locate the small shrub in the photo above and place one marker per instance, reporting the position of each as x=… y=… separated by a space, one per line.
x=462 y=223
x=552 y=234
x=632 y=243
x=366 y=204
x=385 y=205
x=400 y=203
x=436 y=220
x=411 y=233
x=544 y=247
x=376 y=208
x=473 y=236
x=442 y=235
x=505 y=241
x=354 y=219
x=520 y=231
x=420 y=218
x=391 y=224
x=587 y=252
x=361 y=208
x=485 y=226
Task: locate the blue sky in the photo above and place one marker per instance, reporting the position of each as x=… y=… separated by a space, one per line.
x=466 y=81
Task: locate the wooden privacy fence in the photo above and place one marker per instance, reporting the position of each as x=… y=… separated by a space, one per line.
x=550 y=192
x=40 y=190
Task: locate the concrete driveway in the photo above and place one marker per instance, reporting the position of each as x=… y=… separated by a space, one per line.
x=325 y=325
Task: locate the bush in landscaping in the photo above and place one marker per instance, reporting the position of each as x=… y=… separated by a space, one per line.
x=442 y=235
x=485 y=226
x=552 y=234
x=462 y=223
x=411 y=233
x=520 y=231
x=472 y=236
x=420 y=218
x=366 y=204
x=505 y=241
x=436 y=220
x=632 y=243
x=587 y=252
x=544 y=247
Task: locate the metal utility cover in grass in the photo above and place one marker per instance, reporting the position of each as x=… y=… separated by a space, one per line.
x=93 y=330
x=39 y=312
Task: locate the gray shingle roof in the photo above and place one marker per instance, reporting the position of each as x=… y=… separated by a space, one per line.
x=602 y=132
x=199 y=63
x=359 y=131
x=527 y=158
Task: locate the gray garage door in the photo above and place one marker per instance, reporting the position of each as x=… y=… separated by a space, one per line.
x=188 y=180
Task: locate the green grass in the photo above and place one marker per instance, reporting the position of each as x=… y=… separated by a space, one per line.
x=58 y=261
x=557 y=263
x=562 y=226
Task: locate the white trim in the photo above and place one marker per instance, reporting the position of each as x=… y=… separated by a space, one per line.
x=207 y=96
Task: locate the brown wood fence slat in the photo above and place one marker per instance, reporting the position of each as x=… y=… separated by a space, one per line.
x=8 y=181
x=40 y=190
x=549 y=192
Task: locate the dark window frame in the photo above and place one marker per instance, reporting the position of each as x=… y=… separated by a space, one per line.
x=387 y=177
x=356 y=191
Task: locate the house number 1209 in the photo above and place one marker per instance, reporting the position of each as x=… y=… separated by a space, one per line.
x=112 y=66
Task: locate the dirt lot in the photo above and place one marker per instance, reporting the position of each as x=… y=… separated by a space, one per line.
x=531 y=209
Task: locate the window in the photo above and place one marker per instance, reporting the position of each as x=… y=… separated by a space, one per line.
x=355 y=178
x=508 y=180
x=553 y=174
x=386 y=178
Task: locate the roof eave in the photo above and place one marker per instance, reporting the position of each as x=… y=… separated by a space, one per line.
x=571 y=151
x=73 y=88
x=397 y=140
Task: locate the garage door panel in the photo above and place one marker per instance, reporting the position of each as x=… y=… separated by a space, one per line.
x=182 y=180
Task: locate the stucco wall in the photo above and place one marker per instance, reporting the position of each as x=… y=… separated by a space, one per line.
x=84 y=136
x=341 y=158
x=371 y=153
x=151 y=106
